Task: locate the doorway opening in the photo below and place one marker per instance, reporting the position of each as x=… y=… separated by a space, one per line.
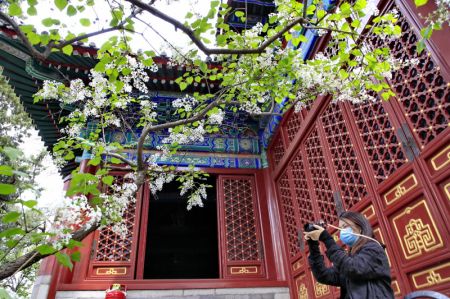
x=182 y=244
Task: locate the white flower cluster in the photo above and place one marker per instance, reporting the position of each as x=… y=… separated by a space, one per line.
x=250 y=107
x=75 y=213
x=371 y=8
x=49 y=90
x=188 y=135
x=77 y=92
x=187 y=103
x=148 y=111
x=216 y=118
x=195 y=198
x=158 y=180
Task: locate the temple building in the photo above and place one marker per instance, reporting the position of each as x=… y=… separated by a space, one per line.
x=389 y=160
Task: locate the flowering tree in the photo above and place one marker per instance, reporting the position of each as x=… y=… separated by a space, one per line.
x=256 y=72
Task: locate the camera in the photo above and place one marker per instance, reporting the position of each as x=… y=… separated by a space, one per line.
x=309 y=227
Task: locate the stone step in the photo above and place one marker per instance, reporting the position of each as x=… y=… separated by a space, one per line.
x=231 y=293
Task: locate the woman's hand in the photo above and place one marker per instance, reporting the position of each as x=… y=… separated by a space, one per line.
x=315 y=234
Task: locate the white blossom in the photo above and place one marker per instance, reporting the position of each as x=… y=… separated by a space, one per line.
x=217 y=118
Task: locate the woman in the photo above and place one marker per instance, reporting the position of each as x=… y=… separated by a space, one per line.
x=361 y=273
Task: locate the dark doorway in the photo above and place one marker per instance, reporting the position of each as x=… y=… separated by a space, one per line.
x=181 y=244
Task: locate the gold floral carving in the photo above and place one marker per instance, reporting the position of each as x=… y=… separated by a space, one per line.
x=244 y=270
x=321 y=289
x=441 y=159
x=447 y=190
x=302 y=292
x=369 y=212
x=418 y=236
x=396 y=288
x=401 y=189
x=111 y=271
x=297 y=265
x=431 y=277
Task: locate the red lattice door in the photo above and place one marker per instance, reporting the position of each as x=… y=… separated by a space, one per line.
x=113 y=256
x=241 y=244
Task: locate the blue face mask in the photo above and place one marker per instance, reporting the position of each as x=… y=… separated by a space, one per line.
x=347 y=236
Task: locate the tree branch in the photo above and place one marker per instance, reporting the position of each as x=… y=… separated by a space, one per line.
x=52 y=45
x=121 y=158
x=27 y=260
x=210 y=51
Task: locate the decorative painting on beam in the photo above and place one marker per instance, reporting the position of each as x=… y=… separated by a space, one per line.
x=211 y=144
x=224 y=160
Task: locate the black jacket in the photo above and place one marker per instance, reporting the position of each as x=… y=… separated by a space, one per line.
x=364 y=275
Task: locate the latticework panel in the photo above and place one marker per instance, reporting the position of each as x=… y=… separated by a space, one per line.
x=240 y=221
x=351 y=182
x=382 y=146
x=111 y=247
x=320 y=178
x=293 y=124
x=420 y=89
x=301 y=190
x=278 y=149
x=288 y=214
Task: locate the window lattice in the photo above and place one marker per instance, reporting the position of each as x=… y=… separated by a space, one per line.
x=293 y=124
x=288 y=214
x=382 y=146
x=240 y=221
x=278 y=149
x=421 y=89
x=345 y=163
x=321 y=181
x=111 y=247
x=301 y=190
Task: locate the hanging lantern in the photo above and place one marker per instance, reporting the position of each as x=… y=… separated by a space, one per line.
x=116 y=291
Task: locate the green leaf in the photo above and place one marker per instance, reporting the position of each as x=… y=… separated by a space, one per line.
x=29 y=203
x=4 y=294
x=239 y=13
x=11 y=217
x=95 y=161
x=71 y=10
x=61 y=4
x=64 y=260
x=12 y=232
x=47 y=22
x=183 y=86
x=6 y=189
x=46 y=249
x=14 y=10
x=72 y=244
x=108 y=180
x=115 y=161
x=420 y=46
x=76 y=256
x=68 y=50
x=420 y=2
x=6 y=170
x=32 y=11
x=12 y=153
x=85 y=22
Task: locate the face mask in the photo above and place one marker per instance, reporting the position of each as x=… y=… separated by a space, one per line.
x=347 y=236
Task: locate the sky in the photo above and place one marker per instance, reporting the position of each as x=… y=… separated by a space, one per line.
x=50 y=179
x=152 y=41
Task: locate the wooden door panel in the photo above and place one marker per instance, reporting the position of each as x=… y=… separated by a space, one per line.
x=113 y=256
x=241 y=241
